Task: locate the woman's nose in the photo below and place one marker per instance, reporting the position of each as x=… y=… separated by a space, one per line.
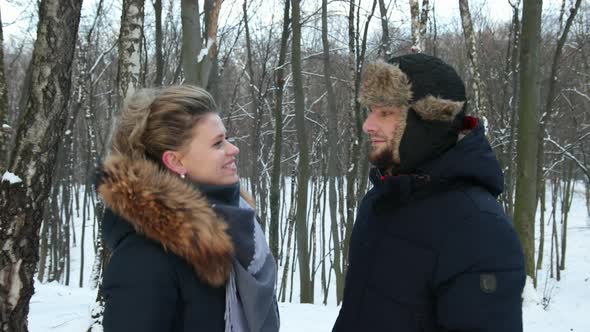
x=232 y=149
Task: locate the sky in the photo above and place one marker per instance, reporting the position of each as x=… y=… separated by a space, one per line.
x=15 y=15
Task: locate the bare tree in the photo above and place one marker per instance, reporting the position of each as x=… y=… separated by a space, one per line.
x=385 y=47
x=545 y=119
x=275 y=190
x=254 y=107
x=158 y=36
x=5 y=129
x=198 y=48
x=306 y=291
x=513 y=65
x=528 y=126
x=332 y=156
x=22 y=202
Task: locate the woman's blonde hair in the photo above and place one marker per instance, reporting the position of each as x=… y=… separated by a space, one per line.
x=156 y=120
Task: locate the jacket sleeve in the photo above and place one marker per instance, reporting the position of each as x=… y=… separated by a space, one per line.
x=140 y=288
x=480 y=277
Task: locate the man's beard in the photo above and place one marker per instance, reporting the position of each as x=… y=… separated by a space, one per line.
x=382 y=158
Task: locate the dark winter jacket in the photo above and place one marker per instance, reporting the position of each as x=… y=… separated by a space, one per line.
x=171 y=254
x=434 y=251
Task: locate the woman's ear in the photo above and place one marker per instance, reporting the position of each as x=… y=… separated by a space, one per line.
x=171 y=160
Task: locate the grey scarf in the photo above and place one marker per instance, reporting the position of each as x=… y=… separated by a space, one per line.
x=251 y=304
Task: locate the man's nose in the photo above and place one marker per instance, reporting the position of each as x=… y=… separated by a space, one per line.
x=369 y=124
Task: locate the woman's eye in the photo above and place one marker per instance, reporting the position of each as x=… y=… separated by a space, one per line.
x=218 y=144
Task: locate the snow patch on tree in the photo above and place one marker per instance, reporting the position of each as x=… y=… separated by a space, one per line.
x=204 y=51
x=11 y=177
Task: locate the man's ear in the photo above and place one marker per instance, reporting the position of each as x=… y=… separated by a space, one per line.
x=171 y=159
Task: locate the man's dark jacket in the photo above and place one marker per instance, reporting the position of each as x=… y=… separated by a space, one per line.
x=434 y=251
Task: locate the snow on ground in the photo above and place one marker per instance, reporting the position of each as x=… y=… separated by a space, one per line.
x=562 y=306
x=55 y=307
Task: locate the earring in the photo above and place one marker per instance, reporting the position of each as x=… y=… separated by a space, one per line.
x=182 y=176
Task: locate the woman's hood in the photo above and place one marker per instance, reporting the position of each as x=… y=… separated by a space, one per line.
x=169 y=211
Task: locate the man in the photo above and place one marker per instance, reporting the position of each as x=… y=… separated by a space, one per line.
x=431 y=249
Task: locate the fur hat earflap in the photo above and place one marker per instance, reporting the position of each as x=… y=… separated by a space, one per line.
x=385 y=84
x=431 y=108
x=169 y=211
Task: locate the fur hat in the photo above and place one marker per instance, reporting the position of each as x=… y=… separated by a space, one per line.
x=432 y=93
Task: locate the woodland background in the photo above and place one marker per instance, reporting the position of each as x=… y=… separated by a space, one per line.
x=286 y=75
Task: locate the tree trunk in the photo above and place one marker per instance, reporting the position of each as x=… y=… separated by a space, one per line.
x=477 y=84
x=209 y=67
x=159 y=56
x=543 y=201
x=275 y=182
x=4 y=126
x=33 y=159
x=418 y=23
x=197 y=54
x=514 y=69
x=192 y=41
x=566 y=204
x=332 y=156
x=526 y=191
x=385 y=47
x=254 y=109
x=306 y=295
x=415 y=24
x=129 y=49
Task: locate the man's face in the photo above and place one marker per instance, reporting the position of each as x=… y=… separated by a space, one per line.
x=384 y=129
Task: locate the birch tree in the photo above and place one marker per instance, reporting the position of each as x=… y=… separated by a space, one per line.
x=128 y=78
x=418 y=24
x=33 y=158
x=477 y=84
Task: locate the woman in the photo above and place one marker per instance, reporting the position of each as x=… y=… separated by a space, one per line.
x=187 y=252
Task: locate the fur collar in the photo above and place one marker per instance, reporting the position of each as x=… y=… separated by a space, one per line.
x=165 y=209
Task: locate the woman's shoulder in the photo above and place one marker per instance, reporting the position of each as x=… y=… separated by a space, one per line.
x=139 y=260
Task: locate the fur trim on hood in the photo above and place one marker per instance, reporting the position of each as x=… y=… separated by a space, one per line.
x=385 y=84
x=165 y=209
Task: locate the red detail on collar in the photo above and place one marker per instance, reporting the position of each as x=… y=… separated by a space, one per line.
x=469 y=122
x=382 y=178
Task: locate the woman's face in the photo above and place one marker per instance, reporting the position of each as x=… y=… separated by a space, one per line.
x=209 y=158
